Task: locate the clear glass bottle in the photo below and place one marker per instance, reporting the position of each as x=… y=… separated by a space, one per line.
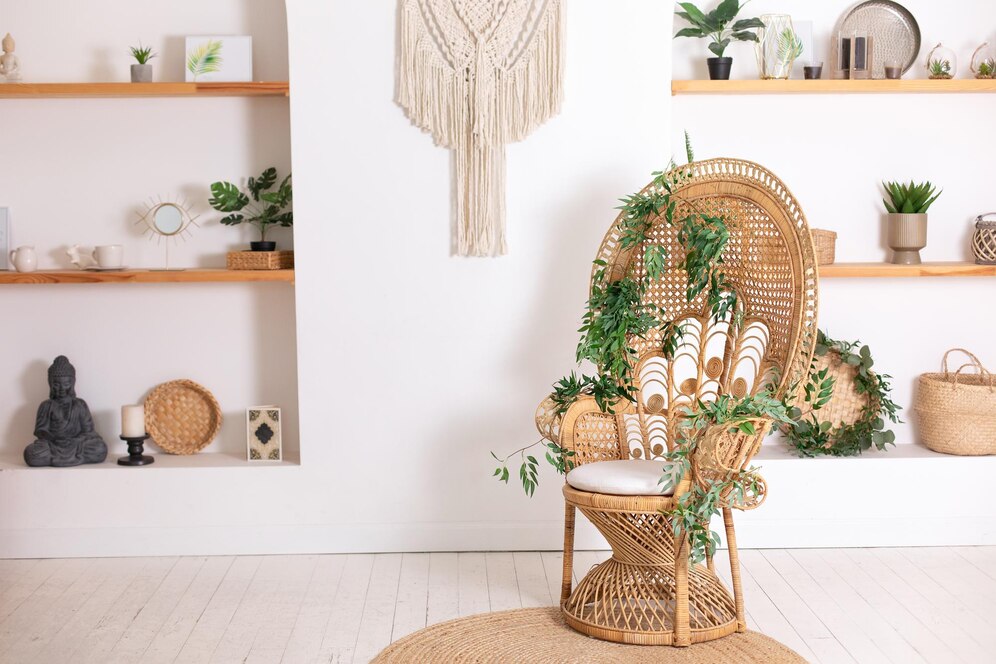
x=941 y=63
x=778 y=47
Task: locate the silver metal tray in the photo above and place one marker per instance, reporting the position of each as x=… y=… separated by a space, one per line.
x=895 y=31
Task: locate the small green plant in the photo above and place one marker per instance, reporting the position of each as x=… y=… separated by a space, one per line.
x=262 y=206
x=205 y=59
x=715 y=25
x=909 y=198
x=939 y=68
x=986 y=69
x=142 y=54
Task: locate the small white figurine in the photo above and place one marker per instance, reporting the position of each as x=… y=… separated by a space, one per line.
x=80 y=257
x=10 y=68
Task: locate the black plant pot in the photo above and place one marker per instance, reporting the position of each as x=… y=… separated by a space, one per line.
x=263 y=246
x=719 y=68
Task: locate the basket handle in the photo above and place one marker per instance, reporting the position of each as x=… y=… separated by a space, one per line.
x=982 y=372
x=975 y=361
x=982 y=217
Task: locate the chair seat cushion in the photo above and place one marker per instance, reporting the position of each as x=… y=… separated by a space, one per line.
x=632 y=477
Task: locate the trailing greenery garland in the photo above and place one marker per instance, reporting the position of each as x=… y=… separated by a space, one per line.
x=810 y=436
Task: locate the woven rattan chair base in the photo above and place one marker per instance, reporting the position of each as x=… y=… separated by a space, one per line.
x=539 y=636
x=631 y=598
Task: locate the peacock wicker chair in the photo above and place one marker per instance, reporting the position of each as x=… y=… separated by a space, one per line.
x=648 y=592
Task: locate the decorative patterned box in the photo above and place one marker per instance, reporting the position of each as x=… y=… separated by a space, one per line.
x=260 y=260
x=263 y=434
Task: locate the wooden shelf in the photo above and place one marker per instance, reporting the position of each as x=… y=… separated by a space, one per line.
x=757 y=87
x=147 y=277
x=43 y=90
x=923 y=270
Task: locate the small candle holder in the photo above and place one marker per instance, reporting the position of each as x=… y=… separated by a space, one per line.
x=135 y=448
x=813 y=72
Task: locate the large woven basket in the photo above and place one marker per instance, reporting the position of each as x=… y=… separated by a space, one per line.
x=259 y=260
x=182 y=417
x=956 y=411
x=826 y=246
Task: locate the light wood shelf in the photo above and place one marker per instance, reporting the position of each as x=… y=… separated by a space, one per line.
x=922 y=270
x=77 y=90
x=823 y=86
x=147 y=277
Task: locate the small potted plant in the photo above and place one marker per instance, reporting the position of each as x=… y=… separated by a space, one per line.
x=907 y=205
x=142 y=71
x=715 y=25
x=984 y=62
x=261 y=205
x=941 y=63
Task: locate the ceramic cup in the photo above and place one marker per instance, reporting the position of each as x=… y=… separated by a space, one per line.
x=109 y=255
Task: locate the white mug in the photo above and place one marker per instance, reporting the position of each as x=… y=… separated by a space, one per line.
x=109 y=255
x=24 y=259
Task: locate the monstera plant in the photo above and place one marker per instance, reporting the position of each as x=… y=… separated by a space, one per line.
x=261 y=205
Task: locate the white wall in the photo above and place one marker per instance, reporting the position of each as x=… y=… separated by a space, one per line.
x=79 y=170
x=833 y=151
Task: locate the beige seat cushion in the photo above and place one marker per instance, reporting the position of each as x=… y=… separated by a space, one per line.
x=632 y=477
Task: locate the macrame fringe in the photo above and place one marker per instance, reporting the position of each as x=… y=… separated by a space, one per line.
x=477 y=108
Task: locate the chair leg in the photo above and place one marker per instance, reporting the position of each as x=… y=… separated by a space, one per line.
x=568 y=578
x=682 y=625
x=738 y=593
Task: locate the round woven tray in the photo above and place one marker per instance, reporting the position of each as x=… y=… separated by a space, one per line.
x=539 y=636
x=182 y=417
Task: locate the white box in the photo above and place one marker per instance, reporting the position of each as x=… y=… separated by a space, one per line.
x=218 y=59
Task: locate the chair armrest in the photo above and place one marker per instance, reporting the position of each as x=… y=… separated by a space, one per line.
x=724 y=452
x=584 y=429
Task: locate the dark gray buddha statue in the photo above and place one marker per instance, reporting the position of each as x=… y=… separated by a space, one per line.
x=63 y=427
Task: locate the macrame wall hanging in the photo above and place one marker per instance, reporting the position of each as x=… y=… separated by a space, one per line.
x=478 y=74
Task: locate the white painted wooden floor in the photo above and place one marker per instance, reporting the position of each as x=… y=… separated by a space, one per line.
x=832 y=605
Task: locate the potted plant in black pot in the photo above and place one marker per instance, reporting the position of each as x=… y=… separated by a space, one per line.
x=262 y=205
x=716 y=25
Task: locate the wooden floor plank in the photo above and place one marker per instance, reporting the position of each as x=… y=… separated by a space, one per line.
x=413 y=595
x=503 y=585
x=66 y=641
x=889 y=641
x=553 y=568
x=281 y=611
x=473 y=584
x=530 y=578
x=312 y=621
x=143 y=629
x=377 y=620
x=769 y=619
x=930 y=613
x=443 y=602
x=339 y=638
x=217 y=615
x=176 y=629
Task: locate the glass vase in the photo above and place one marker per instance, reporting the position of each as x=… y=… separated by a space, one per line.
x=778 y=47
x=984 y=62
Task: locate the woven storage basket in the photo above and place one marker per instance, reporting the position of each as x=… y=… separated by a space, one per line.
x=826 y=246
x=260 y=260
x=957 y=411
x=984 y=240
x=182 y=417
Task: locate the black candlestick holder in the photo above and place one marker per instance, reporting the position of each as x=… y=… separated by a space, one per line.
x=135 y=449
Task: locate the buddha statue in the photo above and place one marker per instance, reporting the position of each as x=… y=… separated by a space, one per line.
x=64 y=428
x=9 y=65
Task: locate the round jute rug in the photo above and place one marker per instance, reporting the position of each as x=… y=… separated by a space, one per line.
x=539 y=636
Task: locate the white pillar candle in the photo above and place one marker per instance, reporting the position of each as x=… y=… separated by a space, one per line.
x=133 y=421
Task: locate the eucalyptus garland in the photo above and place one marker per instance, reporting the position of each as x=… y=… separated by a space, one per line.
x=812 y=436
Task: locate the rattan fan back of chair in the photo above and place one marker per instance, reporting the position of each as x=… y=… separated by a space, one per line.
x=770 y=262
x=182 y=416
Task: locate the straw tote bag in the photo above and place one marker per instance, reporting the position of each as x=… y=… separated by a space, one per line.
x=956 y=410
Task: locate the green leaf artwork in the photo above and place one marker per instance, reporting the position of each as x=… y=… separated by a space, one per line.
x=205 y=59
